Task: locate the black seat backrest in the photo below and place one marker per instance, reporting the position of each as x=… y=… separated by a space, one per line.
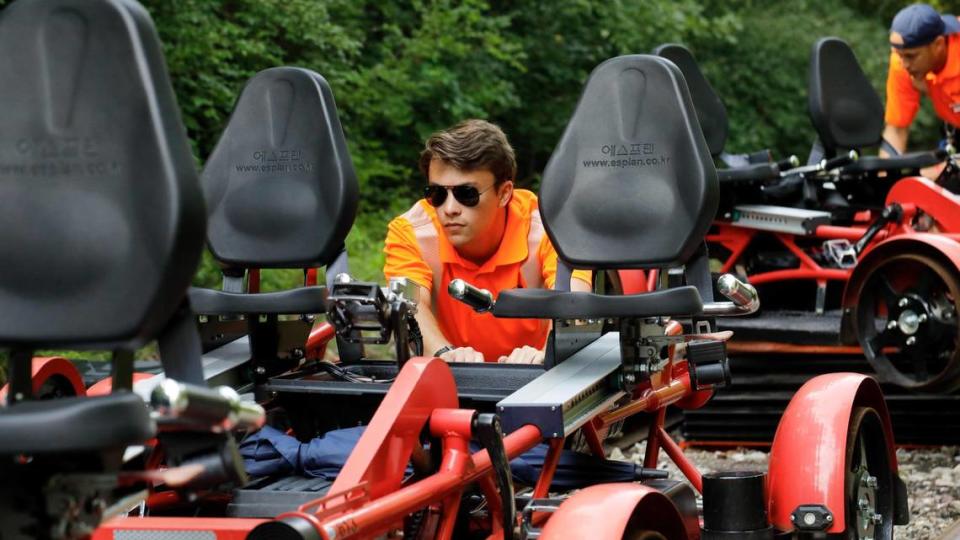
x=101 y=213
x=711 y=112
x=844 y=107
x=280 y=186
x=631 y=184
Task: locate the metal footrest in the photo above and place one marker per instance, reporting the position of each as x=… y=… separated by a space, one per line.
x=779 y=218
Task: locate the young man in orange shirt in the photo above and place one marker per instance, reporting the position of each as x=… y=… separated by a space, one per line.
x=925 y=59
x=473 y=225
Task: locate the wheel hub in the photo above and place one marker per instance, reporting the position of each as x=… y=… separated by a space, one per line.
x=867 y=518
x=908 y=322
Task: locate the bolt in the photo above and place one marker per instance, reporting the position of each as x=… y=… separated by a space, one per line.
x=829 y=518
x=922 y=318
x=877 y=519
x=891 y=325
x=903 y=302
x=911 y=340
x=863 y=505
x=260 y=370
x=870 y=481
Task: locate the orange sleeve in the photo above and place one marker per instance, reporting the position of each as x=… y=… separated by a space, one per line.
x=403 y=258
x=548 y=264
x=903 y=100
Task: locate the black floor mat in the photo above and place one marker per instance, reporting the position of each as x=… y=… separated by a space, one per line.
x=269 y=497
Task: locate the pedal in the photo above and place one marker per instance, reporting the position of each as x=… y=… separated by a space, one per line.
x=707 y=361
x=527 y=530
x=488 y=433
x=840 y=252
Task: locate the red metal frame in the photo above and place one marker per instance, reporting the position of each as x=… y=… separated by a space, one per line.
x=45 y=367
x=319 y=337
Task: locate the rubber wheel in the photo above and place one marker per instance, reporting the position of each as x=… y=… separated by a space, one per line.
x=55 y=387
x=868 y=485
x=907 y=323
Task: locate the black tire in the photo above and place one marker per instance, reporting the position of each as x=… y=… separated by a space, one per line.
x=643 y=535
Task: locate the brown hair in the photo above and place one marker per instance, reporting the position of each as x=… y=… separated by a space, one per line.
x=471 y=145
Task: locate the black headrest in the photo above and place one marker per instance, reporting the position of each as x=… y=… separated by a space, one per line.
x=844 y=107
x=280 y=186
x=101 y=213
x=631 y=182
x=710 y=109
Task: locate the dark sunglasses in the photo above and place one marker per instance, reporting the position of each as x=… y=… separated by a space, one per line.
x=466 y=195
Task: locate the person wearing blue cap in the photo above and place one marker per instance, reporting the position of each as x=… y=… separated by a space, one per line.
x=925 y=59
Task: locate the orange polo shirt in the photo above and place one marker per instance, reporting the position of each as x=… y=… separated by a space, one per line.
x=461 y=325
x=903 y=98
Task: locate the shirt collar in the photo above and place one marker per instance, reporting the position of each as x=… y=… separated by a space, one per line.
x=513 y=246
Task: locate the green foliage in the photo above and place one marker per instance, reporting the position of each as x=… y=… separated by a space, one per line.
x=400 y=70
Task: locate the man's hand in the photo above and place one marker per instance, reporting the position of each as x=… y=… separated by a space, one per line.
x=523 y=355
x=463 y=354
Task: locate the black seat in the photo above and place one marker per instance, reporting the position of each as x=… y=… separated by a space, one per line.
x=101 y=213
x=293 y=301
x=711 y=112
x=517 y=303
x=712 y=115
x=75 y=424
x=631 y=184
x=281 y=190
x=847 y=112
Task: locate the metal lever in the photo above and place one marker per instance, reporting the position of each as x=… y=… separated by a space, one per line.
x=788 y=163
x=890 y=214
x=220 y=408
x=487 y=430
x=839 y=161
x=481 y=300
x=744 y=298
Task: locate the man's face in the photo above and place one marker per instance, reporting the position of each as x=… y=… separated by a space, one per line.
x=462 y=224
x=918 y=61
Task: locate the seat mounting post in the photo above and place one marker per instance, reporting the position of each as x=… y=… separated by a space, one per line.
x=21 y=375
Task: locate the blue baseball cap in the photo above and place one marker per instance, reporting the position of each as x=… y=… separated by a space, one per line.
x=920 y=24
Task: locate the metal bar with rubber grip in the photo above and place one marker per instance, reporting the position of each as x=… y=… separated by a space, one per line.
x=481 y=300
x=788 y=163
x=220 y=408
x=839 y=161
x=743 y=298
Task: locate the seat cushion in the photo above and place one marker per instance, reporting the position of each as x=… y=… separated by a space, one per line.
x=75 y=424
x=551 y=304
x=304 y=301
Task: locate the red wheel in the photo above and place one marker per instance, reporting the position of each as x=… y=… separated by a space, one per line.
x=868 y=484
x=907 y=323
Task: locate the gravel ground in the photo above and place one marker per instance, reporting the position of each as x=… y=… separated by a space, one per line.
x=932 y=477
